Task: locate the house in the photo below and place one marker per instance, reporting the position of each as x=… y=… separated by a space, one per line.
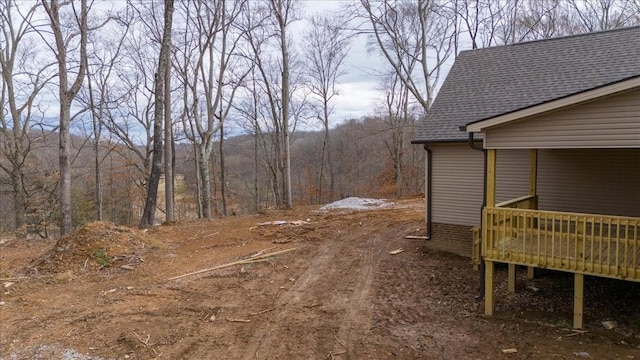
x=533 y=158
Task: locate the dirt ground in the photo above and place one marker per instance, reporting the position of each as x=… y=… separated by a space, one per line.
x=105 y=293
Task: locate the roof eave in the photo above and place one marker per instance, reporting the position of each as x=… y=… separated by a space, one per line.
x=609 y=89
x=439 y=141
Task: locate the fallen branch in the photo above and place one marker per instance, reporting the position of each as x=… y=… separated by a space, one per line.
x=338 y=340
x=262 y=312
x=576 y=332
x=245 y=261
x=146 y=343
x=396 y=251
x=332 y=354
x=413 y=237
x=262 y=252
x=239 y=320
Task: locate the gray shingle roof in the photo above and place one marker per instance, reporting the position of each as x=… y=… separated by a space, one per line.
x=485 y=83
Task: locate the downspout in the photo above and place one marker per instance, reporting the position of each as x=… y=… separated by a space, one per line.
x=429 y=182
x=472 y=144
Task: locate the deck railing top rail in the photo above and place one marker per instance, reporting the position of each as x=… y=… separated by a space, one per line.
x=514 y=203
x=565 y=213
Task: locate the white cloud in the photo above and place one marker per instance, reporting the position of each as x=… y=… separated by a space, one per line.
x=356 y=99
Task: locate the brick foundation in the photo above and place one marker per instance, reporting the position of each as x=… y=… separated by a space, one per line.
x=456 y=239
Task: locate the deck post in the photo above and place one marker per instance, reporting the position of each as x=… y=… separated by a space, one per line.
x=491 y=178
x=533 y=190
x=512 y=278
x=533 y=171
x=578 y=300
x=490 y=202
x=531 y=274
x=488 y=288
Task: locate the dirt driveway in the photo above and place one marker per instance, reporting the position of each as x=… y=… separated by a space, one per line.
x=105 y=293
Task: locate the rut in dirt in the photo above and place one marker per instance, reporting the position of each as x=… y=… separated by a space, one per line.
x=337 y=288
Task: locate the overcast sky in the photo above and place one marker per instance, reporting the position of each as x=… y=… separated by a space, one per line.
x=359 y=86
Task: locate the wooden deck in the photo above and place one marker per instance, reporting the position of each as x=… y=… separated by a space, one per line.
x=599 y=245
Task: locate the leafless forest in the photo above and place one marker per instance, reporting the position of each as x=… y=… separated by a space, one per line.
x=234 y=104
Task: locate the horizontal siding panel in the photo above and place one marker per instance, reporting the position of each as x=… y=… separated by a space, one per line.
x=597 y=114
x=512 y=174
x=458 y=176
x=458 y=173
x=612 y=122
x=603 y=181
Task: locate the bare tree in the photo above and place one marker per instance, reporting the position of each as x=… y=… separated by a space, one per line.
x=284 y=12
x=130 y=120
x=210 y=75
x=18 y=97
x=148 y=214
x=398 y=120
x=408 y=32
x=267 y=23
x=495 y=22
x=100 y=98
x=63 y=35
x=595 y=15
x=266 y=111
x=326 y=45
x=248 y=109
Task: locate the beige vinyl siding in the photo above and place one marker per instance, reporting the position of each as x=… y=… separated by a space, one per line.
x=458 y=175
x=512 y=174
x=599 y=181
x=457 y=184
x=612 y=122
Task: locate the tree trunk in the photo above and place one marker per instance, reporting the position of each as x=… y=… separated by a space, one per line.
x=319 y=192
x=65 y=165
x=287 y=151
x=206 y=184
x=148 y=214
x=19 y=195
x=223 y=188
x=96 y=122
x=255 y=170
x=277 y=170
x=285 y=111
x=168 y=149
x=98 y=175
x=198 y=181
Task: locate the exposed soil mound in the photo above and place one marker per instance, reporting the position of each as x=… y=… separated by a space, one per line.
x=97 y=245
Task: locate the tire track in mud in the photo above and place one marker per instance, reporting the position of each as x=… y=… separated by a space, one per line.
x=357 y=320
x=270 y=334
x=348 y=305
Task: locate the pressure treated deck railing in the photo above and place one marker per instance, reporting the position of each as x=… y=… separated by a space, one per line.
x=593 y=244
x=476 y=232
x=523 y=202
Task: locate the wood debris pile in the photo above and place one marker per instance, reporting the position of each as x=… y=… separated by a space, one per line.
x=95 y=246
